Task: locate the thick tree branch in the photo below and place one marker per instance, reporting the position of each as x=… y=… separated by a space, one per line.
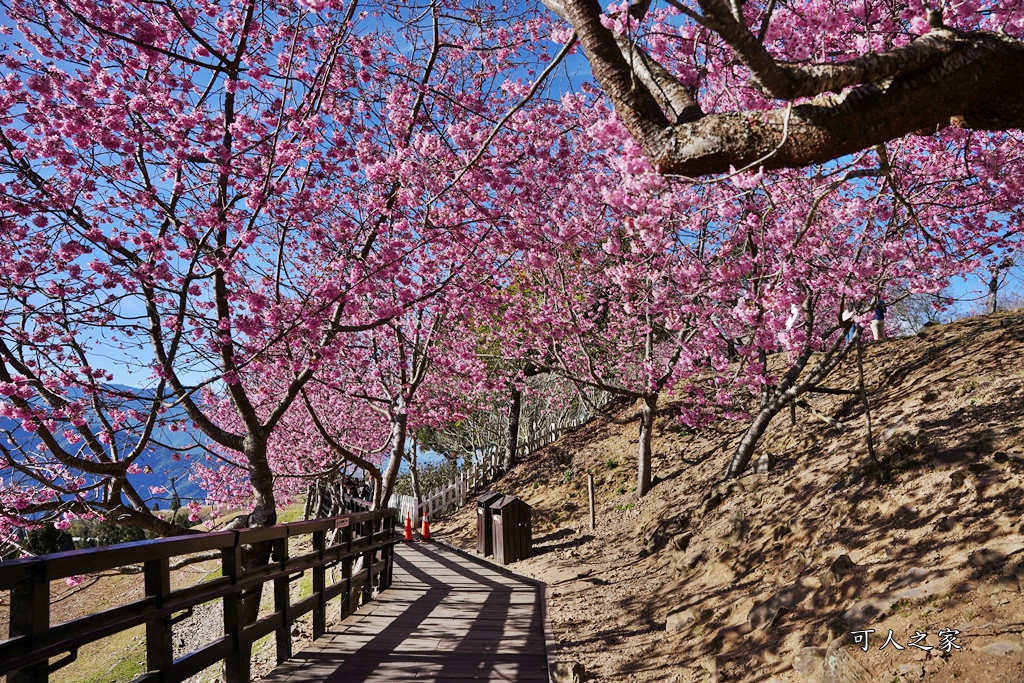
x=973 y=80
x=786 y=81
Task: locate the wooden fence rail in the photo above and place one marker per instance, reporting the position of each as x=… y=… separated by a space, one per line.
x=33 y=641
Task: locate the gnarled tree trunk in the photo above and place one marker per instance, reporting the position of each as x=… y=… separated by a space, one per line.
x=644 y=467
x=512 y=435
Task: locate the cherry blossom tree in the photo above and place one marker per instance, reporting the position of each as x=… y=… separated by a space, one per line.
x=194 y=194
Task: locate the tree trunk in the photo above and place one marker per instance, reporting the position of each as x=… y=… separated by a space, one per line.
x=512 y=436
x=414 y=473
x=264 y=513
x=644 y=448
x=745 y=449
x=398 y=432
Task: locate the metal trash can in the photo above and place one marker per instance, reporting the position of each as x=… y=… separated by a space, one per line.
x=512 y=532
x=484 y=530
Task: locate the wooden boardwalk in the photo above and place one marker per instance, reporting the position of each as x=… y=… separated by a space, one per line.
x=445 y=618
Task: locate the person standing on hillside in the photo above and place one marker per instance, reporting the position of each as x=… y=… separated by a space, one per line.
x=878 y=322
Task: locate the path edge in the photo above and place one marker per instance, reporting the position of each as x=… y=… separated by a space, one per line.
x=551 y=646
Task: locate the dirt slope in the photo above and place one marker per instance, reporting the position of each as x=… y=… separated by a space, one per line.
x=824 y=544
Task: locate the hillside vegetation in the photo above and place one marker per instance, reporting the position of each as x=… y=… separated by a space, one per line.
x=765 y=578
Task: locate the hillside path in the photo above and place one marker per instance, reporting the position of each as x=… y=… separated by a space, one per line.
x=445 y=618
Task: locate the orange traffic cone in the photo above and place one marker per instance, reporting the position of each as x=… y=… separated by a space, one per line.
x=425 y=531
x=408 y=527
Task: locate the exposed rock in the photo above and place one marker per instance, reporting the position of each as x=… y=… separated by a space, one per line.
x=565 y=672
x=765 y=463
x=1001 y=648
x=956 y=479
x=991 y=556
x=752 y=482
x=840 y=567
x=690 y=560
x=710 y=666
x=842 y=667
x=868 y=611
x=768 y=613
x=809 y=662
x=682 y=541
x=911 y=670
x=713 y=500
x=679 y=620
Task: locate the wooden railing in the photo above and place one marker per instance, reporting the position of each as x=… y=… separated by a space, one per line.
x=33 y=641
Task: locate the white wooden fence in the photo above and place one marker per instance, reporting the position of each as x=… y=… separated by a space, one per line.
x=481 y=472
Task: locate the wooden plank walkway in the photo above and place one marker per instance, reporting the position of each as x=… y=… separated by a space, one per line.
x=445 y=618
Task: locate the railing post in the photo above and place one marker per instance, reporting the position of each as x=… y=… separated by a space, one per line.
x=30 y=616
x=237 y=668
x=389 y=554
x=282 y=603
x=319 y=585
x=159 y=647
x=366 y=531
x=346 y=572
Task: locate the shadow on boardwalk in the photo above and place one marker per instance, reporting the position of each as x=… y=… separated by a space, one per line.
x=445 y=618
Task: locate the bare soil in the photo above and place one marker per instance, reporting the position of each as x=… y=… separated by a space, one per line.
x=827 y=543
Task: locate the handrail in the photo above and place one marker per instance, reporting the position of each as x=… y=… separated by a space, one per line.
x=33 y=641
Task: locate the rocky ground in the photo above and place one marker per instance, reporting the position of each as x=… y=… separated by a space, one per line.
x=782 y=574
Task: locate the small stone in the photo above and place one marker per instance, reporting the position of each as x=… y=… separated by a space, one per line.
x=765 y=463
x=682 y=541
x=911 y=670
x=841 y=566
x=710 y=665
x=690 y=560
x=565 y=672
x=1001 y=648
x=752 y=482
x=841 y=667
x=990 y=556
x=867 y=611
x=1008 y=583
x=679 y=620
x=809 y=662
x=956 y=479
x=769 y=612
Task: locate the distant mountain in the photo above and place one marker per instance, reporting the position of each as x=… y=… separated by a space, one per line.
x=159 y=463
